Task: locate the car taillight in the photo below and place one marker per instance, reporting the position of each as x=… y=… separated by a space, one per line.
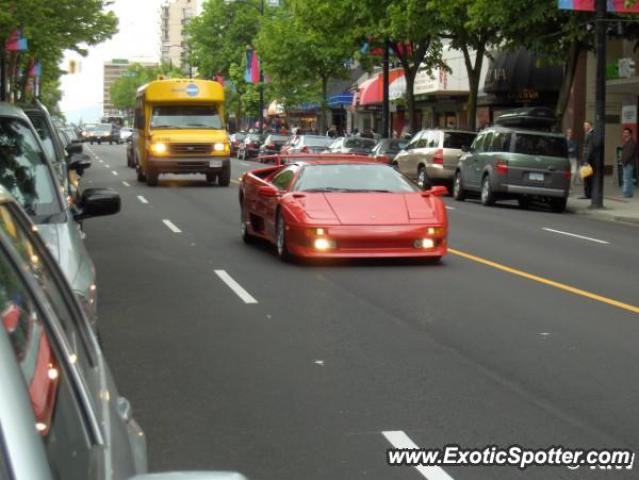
x=306 y=150
x=501 y=167
x=438 y=158
x=567 y=174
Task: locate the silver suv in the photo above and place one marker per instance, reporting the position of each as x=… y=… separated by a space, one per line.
x=432 y=156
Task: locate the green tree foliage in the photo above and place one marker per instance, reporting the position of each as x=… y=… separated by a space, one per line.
x=301 y=56
x=124 y=89
x=51 y=27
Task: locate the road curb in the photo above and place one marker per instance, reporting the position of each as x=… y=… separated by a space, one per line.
x=632 y=221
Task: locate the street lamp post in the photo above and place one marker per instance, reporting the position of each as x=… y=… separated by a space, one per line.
x=261 y=10
x=600 y=105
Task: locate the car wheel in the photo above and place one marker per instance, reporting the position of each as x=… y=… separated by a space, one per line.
x=152 y=178
x=423 y=181
x=224 y=177
x=280 y=239
x=558 y=205
x=458 y=188
x=524 y=203
x=396 y=166
x=140 y=174
x=246 y=236
x=487 y=195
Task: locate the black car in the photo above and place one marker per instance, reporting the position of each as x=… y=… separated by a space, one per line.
x=389 y=148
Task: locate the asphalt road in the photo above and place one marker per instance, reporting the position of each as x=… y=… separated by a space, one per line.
x=299 y=374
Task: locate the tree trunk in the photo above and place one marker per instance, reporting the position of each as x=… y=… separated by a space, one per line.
x=570 y=68
x=322 y=120
x=410 y=74
x=474 y=74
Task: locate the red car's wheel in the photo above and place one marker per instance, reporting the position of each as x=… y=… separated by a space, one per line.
x=280 y=239
x=246 y=236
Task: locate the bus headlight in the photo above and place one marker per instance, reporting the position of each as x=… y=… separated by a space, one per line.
x=219 y=147
x=159 y=148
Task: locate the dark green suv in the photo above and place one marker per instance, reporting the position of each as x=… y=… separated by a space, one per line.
x=506 y=163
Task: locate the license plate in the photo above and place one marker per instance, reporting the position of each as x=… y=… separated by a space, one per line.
x=215 y=163
x=536 y=177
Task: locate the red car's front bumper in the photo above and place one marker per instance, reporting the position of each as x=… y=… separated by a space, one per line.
x=365 y=241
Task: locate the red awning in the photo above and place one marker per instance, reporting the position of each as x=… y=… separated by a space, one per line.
x=371 y=91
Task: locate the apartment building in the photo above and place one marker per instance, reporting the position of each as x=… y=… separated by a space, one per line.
x=175 y=15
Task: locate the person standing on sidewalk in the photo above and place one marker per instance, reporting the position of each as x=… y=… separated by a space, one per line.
x=573 y=154
x=589 y=157
x=629 y=162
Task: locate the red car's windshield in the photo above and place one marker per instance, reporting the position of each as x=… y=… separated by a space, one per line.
x=352 y=178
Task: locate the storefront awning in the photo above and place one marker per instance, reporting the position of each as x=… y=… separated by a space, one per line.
x=371 y=91
x=340 y=100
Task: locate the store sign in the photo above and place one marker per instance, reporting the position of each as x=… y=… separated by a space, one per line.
x=616 y=6
x=426 y=83
x=629 y=114
x=626 y=68
x=397 y=89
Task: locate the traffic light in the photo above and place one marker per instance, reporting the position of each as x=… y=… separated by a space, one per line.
x=73 y=66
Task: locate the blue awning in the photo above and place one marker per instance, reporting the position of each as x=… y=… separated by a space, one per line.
x=343 y=99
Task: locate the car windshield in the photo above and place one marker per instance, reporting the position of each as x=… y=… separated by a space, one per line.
x=457 y=140
x=317 y=141
x=203 y=117
x=23 y=171
x=104 y=128
x=352 y=177
x=359 y=143
x=541 y=145
x=278 y=139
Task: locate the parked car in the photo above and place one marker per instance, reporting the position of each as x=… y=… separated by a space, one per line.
x=432 y=156
x=352 y=145
x=310 y=144
x=88 y=131
x=515 y=163
x=273 y=144
x=28 y=175
x=61 y=415
x=125 y=134
x=250 y=147
x=388 y=148
x=234 y=141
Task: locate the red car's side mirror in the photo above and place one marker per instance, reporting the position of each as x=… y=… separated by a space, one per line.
x=267 y=191
x=439 y=191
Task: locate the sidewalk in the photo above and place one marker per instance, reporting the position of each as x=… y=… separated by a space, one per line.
x=616 y=207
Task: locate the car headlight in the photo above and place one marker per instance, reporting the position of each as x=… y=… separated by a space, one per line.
x=323 y=244
x=436 y=231
x=159 y=148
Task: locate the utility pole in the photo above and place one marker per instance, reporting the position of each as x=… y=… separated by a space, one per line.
x=386 y=93
x=261 y=78
x=600 y=105
x=3 y=78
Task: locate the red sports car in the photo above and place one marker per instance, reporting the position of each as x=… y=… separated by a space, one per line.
x=342 y=206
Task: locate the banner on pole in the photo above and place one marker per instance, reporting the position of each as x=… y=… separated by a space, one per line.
x=614 y=6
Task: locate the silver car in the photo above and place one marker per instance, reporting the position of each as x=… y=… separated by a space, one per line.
x=432 y=156
x=29 y=176
x=61 y=416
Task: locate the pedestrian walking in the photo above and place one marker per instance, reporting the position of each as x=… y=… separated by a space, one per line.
x=573 y=155
x=588 y=157
x=629 y=162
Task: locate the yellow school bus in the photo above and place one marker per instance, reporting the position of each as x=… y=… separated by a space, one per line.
x=179 y=128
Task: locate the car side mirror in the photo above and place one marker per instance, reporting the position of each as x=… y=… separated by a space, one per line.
x=79 y=162
x=439 y=191
x=98 y=202
x=191 y=476
x=73 y=148
x=267 y=191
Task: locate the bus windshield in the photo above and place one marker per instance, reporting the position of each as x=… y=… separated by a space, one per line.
x=203 y=117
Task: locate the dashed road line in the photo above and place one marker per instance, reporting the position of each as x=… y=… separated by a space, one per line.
x=399 y=439
x=107 y=165
x=574 y=235
x=171 y=226
x=114 y=172
x=236 y=287
x=142 y=199
x=450 y=208
x=126 y=184
x=245 y=164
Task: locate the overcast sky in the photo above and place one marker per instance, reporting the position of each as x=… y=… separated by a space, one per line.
x=138 y=39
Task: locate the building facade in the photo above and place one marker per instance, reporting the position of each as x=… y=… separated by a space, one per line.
x=175 y=16
x=112 y=71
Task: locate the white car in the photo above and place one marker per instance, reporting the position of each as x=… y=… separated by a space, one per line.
x=125 y=134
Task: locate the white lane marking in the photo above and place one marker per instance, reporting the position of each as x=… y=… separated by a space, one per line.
x=114 y=172
x=171 y=226
x=590 y=239
x=399 y=439
x=236 y=287
x=101 y=161
x=449 y=208
x=319 y=362
x=245 y=164
x=142 y=199
x=126 y=184
x=107 y=165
